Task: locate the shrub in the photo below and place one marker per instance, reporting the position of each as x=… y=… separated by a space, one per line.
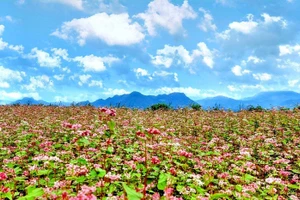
x=256 y=109
x=195 y=106
x=160 y=106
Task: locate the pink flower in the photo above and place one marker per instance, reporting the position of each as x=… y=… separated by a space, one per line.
x=185 y=154
x=108 y=111
x=153 y=131
x=168 y=192
x=155 y=160
x=3 y=176
x=284 y=173
x=141 y=134
x=173 y=171
x=156 y=196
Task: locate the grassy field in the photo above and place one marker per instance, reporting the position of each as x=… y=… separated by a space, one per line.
x=93 y=153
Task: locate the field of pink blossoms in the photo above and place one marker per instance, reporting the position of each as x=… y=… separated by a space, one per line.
x=86 y=153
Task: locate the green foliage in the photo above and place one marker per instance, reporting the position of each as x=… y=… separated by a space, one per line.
x=160 y=106
x=255 y=109
x=195 y=106
x=131 y=193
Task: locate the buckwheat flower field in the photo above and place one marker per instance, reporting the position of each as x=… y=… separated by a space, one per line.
x=78 y=153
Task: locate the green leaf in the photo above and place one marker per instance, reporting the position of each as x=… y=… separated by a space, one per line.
x=81 y=161
x=8 y=195
x=162 y=181
x=239 y=188
x=131 y=193
x=42 y=172
x=32 y=193
x=20 y=178
x=111 y=125
x=101 y=172
x=80 y=179
x=297 y=187
x=248 y=177
x=110 y=150
x=217 y=196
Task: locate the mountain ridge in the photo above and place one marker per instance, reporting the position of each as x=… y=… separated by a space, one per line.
x=136 y=99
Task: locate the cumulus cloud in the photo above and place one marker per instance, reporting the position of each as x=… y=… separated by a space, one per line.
x=261 y=37
x=189 y=91
x=95 y=83
x=77 y=4
x=174 y=55
x=114 y=29
x=2 y=27
x=44 y=59
x=163 y=14
x=238 y=71
x=206 y=23
x=289 y=49
x=39 y=82
x=95 y=63
x=18 y=95
x=262 y=76
x=112 y=92
x=10 y=76
x=83 y=79
x=3 y=44
x=59 y=77
x=246 y=87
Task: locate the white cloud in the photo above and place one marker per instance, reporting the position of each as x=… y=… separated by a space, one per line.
x=94 y=63
x=114 y=29
x=2 y=27
x=112 y=92
x=63 y=53
x=169 y=54
x=292 y=83
x=255 y=59
x=18 y=95
x=17 y=48
x=262 y=76
x=4 y=84
x=189 y=91
x=245 y=87
x=289 y=49
x=237 y=70
x=44 y=59
x=61 y=99
x=289 y=64
x=205 y=53
x=165 y=74
x=59 y=77
x=245 y=27
x=95 y=83
x=162 y=13
x=207 y=21
x=3 y=44
x=8 y=75
x=39 y=82
x=141 y=72
x=78 y=4
x=83 y=79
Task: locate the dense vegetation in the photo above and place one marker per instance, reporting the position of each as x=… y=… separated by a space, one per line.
x=89 y=153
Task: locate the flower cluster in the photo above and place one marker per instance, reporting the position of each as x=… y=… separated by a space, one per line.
x=110 y=112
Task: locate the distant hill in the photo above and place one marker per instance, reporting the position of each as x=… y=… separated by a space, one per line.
x=138 y=100
x=29 y=101
x=220 y=102
x=267 y=100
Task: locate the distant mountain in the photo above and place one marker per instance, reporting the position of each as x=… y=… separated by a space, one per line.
x=220 y=102
x=138 y=100
x=274 y=99
x=30 y=101
x=267 y=100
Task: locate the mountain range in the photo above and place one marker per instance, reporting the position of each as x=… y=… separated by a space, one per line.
x=288 y=99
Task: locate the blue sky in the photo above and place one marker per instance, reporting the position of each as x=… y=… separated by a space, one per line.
x=74 y=50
